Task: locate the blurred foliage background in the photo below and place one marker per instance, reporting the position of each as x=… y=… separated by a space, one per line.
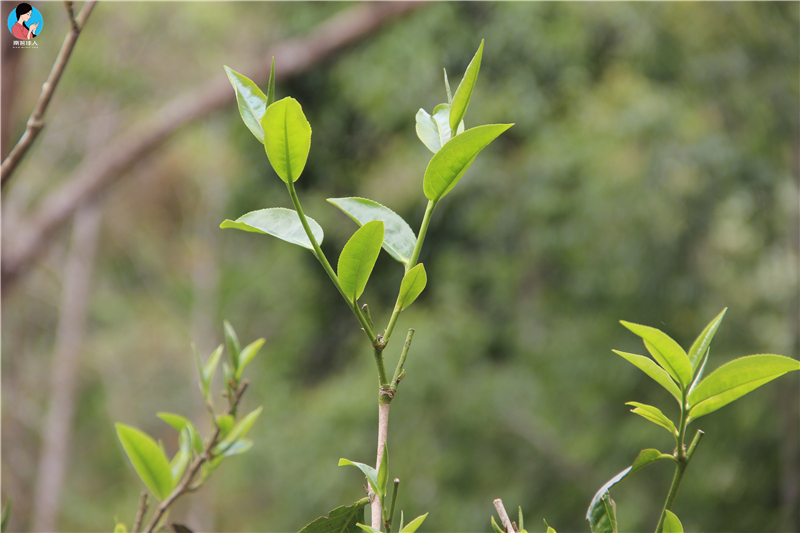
x=652 y=176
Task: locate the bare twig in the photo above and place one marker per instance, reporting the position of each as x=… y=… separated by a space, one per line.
x=95 y=175
x=140 y=512
x=507 y=524
x=36 y=120
x=71 y=14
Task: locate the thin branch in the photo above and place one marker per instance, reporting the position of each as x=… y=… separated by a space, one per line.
x=137 y=523
x=71 y=15
x=383 y=432
x=97 y=174
x=507 y=524
x=36 y=120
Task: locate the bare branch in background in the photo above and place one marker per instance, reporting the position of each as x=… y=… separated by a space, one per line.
x=11 y=74
x=25 y=240
x=36 y=120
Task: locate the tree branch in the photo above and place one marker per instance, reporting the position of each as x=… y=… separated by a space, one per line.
x=96 y=175
x=36 y=120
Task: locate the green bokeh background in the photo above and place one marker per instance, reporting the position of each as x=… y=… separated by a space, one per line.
x=651 y=176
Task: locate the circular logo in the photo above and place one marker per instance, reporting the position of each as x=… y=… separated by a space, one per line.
x=25 y=22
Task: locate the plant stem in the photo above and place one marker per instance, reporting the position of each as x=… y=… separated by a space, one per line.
x=680 y=470
x=399 y=371
x=383 y=431
x=388 y=521
x=137 y=523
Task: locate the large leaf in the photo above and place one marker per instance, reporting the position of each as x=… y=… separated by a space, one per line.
x=147 y=459
x=646 y=365
x=398 y=237
x=448 y=164
x=464 y=92
x=252 y=102
x=279 y=222
x=602 y=514
x=654 y=415
x=735 y=379
x=434 y=130
x=287 y=138
x=341 y=520
x=671 y=523
x=358 y=258
x=700 y=344
x=412 y=526
x=412 y=285
x=371 y=473
x=665 y=351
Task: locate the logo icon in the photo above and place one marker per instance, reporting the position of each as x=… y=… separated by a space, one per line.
x=25 y=22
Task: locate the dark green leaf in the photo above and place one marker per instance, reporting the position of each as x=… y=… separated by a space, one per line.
x=654 y=415
x=247 y=355
x=398 y=238
x=665 y=351
x=464 y=92
x=646 y=365
x=279 y=222
x=700 y=345
x=358 y=258
x=287 y=138
x=735 y=379
x=412 y=286
x=232 y=343
x=372 y=475
x=412 y=526
x=341 y=520
x=647 y=457
x=148 y=460
x=252 y=102
x=448 y=165
x=602 y=511
x=671 y=523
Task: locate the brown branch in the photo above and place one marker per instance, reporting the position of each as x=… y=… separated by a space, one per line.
x=95 y=175
x=36 y=120
x=140 y=512
x=508 y=525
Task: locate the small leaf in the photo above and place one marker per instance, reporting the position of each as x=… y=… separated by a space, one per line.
x=448 y=164
x=341 y=520
x=647 y=457
x=464 y=92
x=447 y=87
x=279 y=222
x=434 y=130
x=287 y=138
x=654 y=415
x=383 y=472
x=232 y=343
x=247 y=355
x=372 y=475
x=700 y=345
x=271 y=85
x=358 y=258
x=735 y=379
x=646 y=365
x=147 y=459
x=178 y=422
x=671 y=523
x=238 y=447
x=238 y=431
x=602 y=511
x=520 y=521
x=497 y=529
x=119 y=527
x=251 y=100
x=368 y=529
x=665 y=351
x=398 y=237
x=178 y=465
x=412 y=526
x=549 y=529
x=699 y=375
x=224 y=423
x=412 y=286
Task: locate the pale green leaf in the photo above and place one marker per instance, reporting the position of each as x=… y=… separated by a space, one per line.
x=601 y=514
x=412 y=285
x=447 y=88
x=341 y=520
x=238 y=431
x=412 y=526
x=271 y=84
x=358 y=258
x=700 y=345
x=464 y=92
x=247 y=355
x=398 y=237
x=232 y=343
x=654 y=415
x=497 y=528
x=279 y=222
x=224 y=423
x=287 y=138
x=238 y=447
x=369 y=472
x=665 y=351
x=119 y=527
x=179 y=422
x=251 y=100
x=148 y=460
x=434 y=130
x=646 y=365
x=646 y=457
x=671 y=523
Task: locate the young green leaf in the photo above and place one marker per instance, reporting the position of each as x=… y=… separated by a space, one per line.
x=279 y=222
x=447 y=88
x=497 y=529
x=702 y=342
x=549 y=529
x=232 y=343
x=646 y=365
x=654 y=415
x=238 y=431
x=371 y=473
x=412 y=285
x=178 y=422
x=119 y=527
x=207 y=371
x=646 y=457
x=448 y=164
x=224 y=423
x=671 y=523
x=601 y=514
x=271 y=85
x=383 y=472
x=735 y=379
x=398 y=238
x=412 y=526
x=464 y=92
x=343 y=519
x=238 y=447
x=698 y=377
x=147 y=459
x=401 y=521
x=251 y=100
x=358 y=258
x=247 y=355
x=368 y=529
x=665 y=351
x=287 y=138
x=178 y=465
x=520 y=520
x=434 y=130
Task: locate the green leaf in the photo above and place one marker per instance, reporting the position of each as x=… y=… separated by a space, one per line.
x=238 y=447
x=372 y=475
x=178 y=422
x=434 y=130
x=251 y=100
x=398 y=238
x=646 y=365
x=341 y=520
x=271 y=85
x=464 y=92
x=232 y=343
x=520 y=520
x=178 y=465
x=601 y=514
x=412 y=285
x=735 y=379
x=238 y=431
x=147 y=459
x=287 y=138
x=654 y=415
x=207 y=371
x=448 y=164
x=671 y=523
x=279 y=222
x=700 y=345
x=412 y=526
x=698 y=377
x=647 y=457
x=549 y=529
x=497 y=529
x=368 y=529
x=383 y=472
x=358 y=258
x=447 y=87
x=119 y=527
x=224 y=423
x=247 y=355
x=665 y=351
x=401 y=521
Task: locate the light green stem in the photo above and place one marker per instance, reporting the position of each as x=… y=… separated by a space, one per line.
x=680 y=470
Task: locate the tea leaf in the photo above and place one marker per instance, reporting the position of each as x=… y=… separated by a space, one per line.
x=412 y=286
x=646 y=365
x=671 y=523
x=665 y=351
x=464 y=92
x=412 y=526
x=232 y=343
x=700 y=344
x=341 y=520
x=287 y=138
x=279 y=222
x=647 y=457
x=602 y=515
x=372 y=475
x=358 y=258
x=383 y=472
x=654 y=415
x=251 y=100
x=238 y=431
x=147 y=459
x=247 y=355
